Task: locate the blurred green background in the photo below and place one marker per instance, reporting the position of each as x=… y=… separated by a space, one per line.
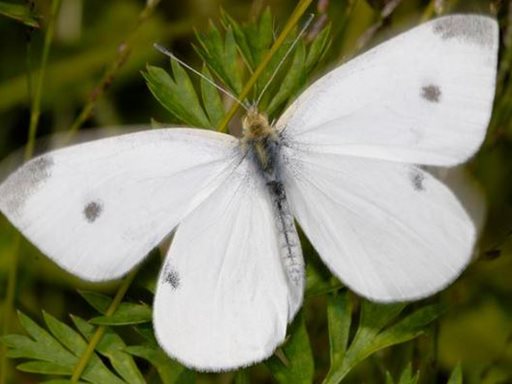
x=90 y=41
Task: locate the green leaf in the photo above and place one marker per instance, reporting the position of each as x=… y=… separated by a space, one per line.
x=407 y=376
x=456 y=376
x=55 y=353
x=126 y=314
x=39 y=346
x=112 y=347
x=96 y=300
x=293 y=80
x=170 y=371
x=339 y=318
x=19 y=12
x=297 y=350
x=318 y=49
x=177 y=95
x=57 y=381
x=212 y=100
x=220 y=55
x=260 y=37
x=95 y=371
x=378 y=328
x=45 y=368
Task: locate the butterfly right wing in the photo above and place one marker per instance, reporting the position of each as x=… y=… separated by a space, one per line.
x=98 y=208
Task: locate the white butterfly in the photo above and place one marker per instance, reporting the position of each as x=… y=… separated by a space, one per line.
x=344 y=160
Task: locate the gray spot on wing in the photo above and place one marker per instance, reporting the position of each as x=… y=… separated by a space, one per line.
x=431 y=93
x=24 y=182
x=417 y=179
x=172 y=278
x=92 y=211
x=472 y=29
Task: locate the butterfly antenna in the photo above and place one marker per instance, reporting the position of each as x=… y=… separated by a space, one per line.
x=302 y=31
x=166 y=52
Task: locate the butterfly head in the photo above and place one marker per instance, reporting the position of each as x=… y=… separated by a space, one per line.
x=256 y=126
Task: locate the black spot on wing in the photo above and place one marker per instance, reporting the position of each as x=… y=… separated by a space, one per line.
x=172 y=278
x=24 y=183
x=92 y=211
x=417 y=179
x=431 y=93
x=473 y=29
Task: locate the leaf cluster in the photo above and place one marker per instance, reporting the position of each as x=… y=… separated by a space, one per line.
x=230 y=53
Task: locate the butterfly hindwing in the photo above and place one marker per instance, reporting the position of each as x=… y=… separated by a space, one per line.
x=223 y=297
x=389 y=231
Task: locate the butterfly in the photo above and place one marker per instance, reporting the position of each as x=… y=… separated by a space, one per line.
x=346 y=160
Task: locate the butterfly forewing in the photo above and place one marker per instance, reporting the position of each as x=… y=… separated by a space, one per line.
x=98 y=208
x=423 y=97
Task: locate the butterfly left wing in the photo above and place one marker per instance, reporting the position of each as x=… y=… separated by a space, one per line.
x=223 y=299
x=98 y=208
x=389 y=231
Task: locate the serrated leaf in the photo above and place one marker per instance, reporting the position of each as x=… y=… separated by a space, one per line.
x=456 y=376
x=374 y=333
x=177 y=95
x=113 y=347
x=297 y=350
x=339 y=319
x=260 y=36
x=19 y=12
x=57 y=352
x=45 y=368
x=292 y=82
x=126 y=314
x=41 y=345
x=220 y=54
x=317 y=49
x=170 y=371
x=212 y=100
x=407 y=376
x=96 y=300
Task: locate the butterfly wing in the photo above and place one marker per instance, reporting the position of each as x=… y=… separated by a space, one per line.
x=384 y=226
x=98 y=208
x=389 y=231
x=423 y=97
x=222 y=299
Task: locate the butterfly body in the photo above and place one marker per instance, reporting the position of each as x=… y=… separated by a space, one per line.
x=262 y=145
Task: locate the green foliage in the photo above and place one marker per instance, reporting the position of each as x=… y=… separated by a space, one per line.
x=19 y=12
x=295 y=364
x=379 y=326
x=231 y=52
x=57 y=352
x=407 y=377
x=364 y=342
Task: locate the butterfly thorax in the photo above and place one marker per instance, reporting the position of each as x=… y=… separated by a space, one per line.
x=259 y=136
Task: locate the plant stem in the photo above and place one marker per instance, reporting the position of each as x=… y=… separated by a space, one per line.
x=100 y=331
x=123 y=52
x=29 y=150
x=292 y=21
x=36 y=101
